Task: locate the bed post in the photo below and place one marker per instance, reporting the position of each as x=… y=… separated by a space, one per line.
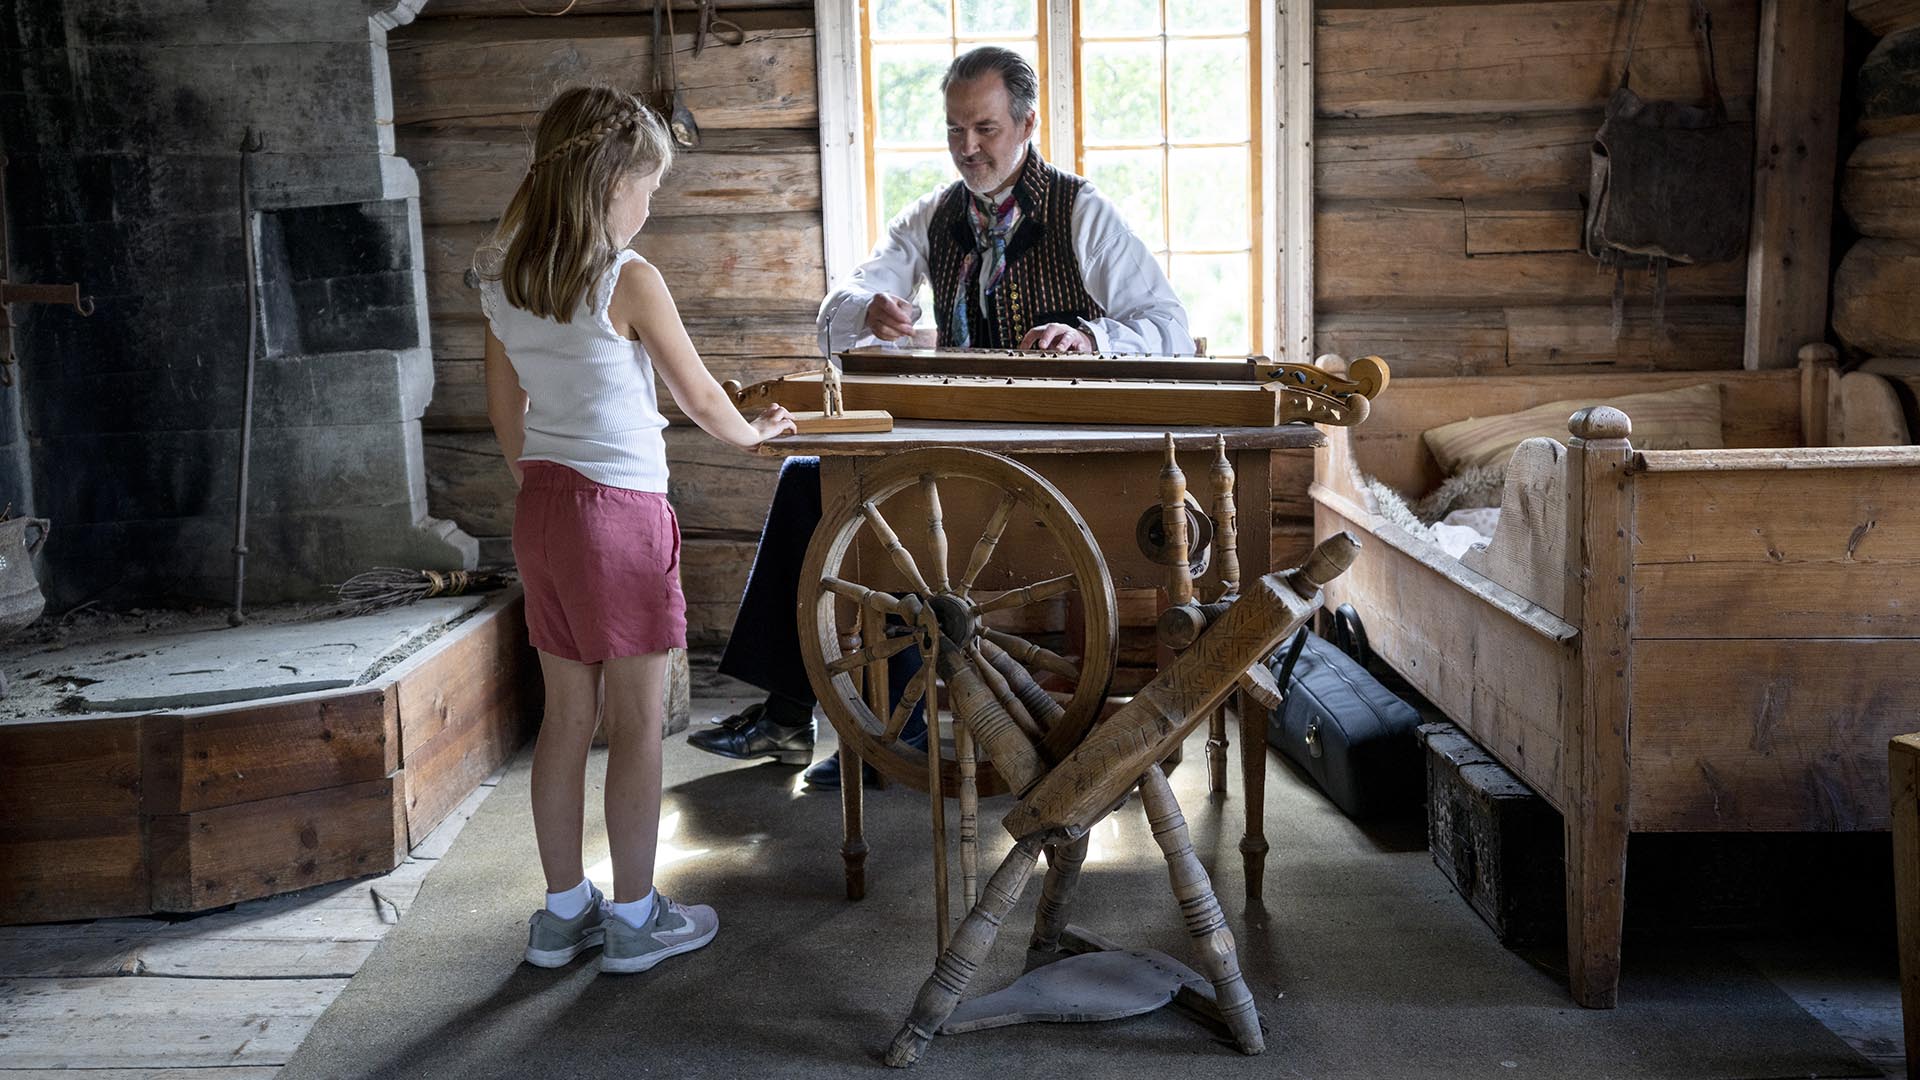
x=1600 y=558
x=1819 y=375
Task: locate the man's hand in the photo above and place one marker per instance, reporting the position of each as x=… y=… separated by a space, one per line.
x=889 y=318
x=1057 y=337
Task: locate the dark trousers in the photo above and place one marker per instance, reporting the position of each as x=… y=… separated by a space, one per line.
x=764 y=648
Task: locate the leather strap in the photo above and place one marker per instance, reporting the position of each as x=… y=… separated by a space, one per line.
x=1702 y=28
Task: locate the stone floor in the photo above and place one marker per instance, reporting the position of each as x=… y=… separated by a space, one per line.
x=230 y=995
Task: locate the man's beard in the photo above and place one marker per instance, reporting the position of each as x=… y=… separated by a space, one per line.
x=996 y=182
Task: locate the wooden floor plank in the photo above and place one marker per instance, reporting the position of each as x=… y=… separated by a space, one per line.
x=242 y=1073
x=159 y=1023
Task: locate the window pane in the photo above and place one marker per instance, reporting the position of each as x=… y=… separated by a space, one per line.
x=907 y=88
x=1214 y=289
x=902 y=178
x=1122 y=87
x=907 y=18
x=1208 y=192
x=1206 y=16
x=998 y=16
x=1210 y=102
x=1131 y=178
x=1118 y=18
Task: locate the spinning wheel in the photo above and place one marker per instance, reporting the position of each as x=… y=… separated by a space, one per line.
x=989 y=673
x=994 y=677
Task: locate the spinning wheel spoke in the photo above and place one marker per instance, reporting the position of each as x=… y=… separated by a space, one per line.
x=936 y=531
x=890 y=540
x=1005 y=696
x=869 y=598
x=916 y=689
x=1030 y=654
x=1028 y=594
x=1041 y=705
x=989 y=539
x=872 y=653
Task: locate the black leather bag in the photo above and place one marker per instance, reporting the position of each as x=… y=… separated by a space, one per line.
x=1352 y=735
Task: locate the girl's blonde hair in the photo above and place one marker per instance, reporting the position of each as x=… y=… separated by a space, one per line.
x=552 y=243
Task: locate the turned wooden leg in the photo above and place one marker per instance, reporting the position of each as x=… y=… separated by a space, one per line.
x=936 y=795
x=969 y=815
x=962 y=957
x=1596 y=900
x=1217 y=752
x=1063 y=873
x=1253 y=773
x=1206 y=924
x=853 y=837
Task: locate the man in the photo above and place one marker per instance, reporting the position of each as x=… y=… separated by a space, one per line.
x=1020 y=255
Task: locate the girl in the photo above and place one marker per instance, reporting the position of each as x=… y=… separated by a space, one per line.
x=577 y=325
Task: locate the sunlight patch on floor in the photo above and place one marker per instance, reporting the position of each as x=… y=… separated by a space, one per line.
x=667 y=854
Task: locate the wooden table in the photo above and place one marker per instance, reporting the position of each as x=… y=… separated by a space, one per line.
x=1109 y=475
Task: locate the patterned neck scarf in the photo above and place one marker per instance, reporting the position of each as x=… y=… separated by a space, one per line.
x=992 y=225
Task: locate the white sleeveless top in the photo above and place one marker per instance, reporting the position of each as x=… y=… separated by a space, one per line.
x=591 y=403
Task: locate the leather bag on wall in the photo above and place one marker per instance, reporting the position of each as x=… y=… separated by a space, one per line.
x=1670 y=182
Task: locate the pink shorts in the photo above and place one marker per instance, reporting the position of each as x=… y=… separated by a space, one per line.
x=600 y=565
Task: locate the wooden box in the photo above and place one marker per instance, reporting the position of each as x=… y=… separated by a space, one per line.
x=1499 y=843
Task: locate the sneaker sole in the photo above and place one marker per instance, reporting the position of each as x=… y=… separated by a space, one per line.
x=553 y=958
x=628 y=965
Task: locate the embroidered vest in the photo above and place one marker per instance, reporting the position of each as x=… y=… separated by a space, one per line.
x=1042 y=283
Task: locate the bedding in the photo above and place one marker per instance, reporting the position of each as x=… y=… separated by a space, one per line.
x=1687 y=418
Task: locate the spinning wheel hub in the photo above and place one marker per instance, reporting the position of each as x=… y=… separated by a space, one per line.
x=958 y=620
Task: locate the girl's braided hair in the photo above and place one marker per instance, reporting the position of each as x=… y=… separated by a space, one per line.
x=591 y=137
x=553 y=244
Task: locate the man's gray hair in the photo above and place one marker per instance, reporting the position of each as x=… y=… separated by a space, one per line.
x=1023 y=86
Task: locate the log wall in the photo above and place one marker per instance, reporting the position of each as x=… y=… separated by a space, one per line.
x=1451 y=154
x=735 y=230
x=1874 y=312
x=1450 y=161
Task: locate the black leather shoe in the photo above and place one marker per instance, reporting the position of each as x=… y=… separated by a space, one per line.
x=825 y=774
x=751 y=734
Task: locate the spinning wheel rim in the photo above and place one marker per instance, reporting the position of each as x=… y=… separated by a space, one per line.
x=840 y=524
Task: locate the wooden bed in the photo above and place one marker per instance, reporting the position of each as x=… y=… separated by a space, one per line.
x=1732 y=640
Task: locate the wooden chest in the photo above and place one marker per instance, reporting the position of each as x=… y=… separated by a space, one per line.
x=1499 y=843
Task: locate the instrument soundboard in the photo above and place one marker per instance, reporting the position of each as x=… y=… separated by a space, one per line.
x=1058 y=388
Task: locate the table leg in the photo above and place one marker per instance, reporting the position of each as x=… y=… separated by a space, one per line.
x=1217 y=752
x=853 y=841
x=1253 y=772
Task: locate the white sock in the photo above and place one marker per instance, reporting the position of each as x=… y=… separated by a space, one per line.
x=569 y=904
x=635 y=913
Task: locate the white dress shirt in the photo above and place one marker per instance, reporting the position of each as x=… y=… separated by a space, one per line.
x=1122 y=276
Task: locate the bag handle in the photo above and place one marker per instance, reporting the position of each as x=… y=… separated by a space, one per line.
x=1702 y=27
x=1281 y=679
x=1350 y=635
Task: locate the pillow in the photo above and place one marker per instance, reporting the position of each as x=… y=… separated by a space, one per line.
x=1683 y=419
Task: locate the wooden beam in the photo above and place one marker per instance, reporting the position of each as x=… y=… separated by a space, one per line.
x=1293 y=233
x=1796 y=123
x=1904 y=757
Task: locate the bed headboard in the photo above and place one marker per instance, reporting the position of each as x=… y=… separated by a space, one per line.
x=1758 y=409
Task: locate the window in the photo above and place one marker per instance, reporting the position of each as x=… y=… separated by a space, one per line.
x=1157 y=101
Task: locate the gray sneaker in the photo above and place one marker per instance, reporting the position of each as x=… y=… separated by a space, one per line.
x=674 y=929
x=553 y=941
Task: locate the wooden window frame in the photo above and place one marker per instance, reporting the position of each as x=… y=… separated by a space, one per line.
x=1283 y=214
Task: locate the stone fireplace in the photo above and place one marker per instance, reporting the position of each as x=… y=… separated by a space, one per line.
x=123 y=123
